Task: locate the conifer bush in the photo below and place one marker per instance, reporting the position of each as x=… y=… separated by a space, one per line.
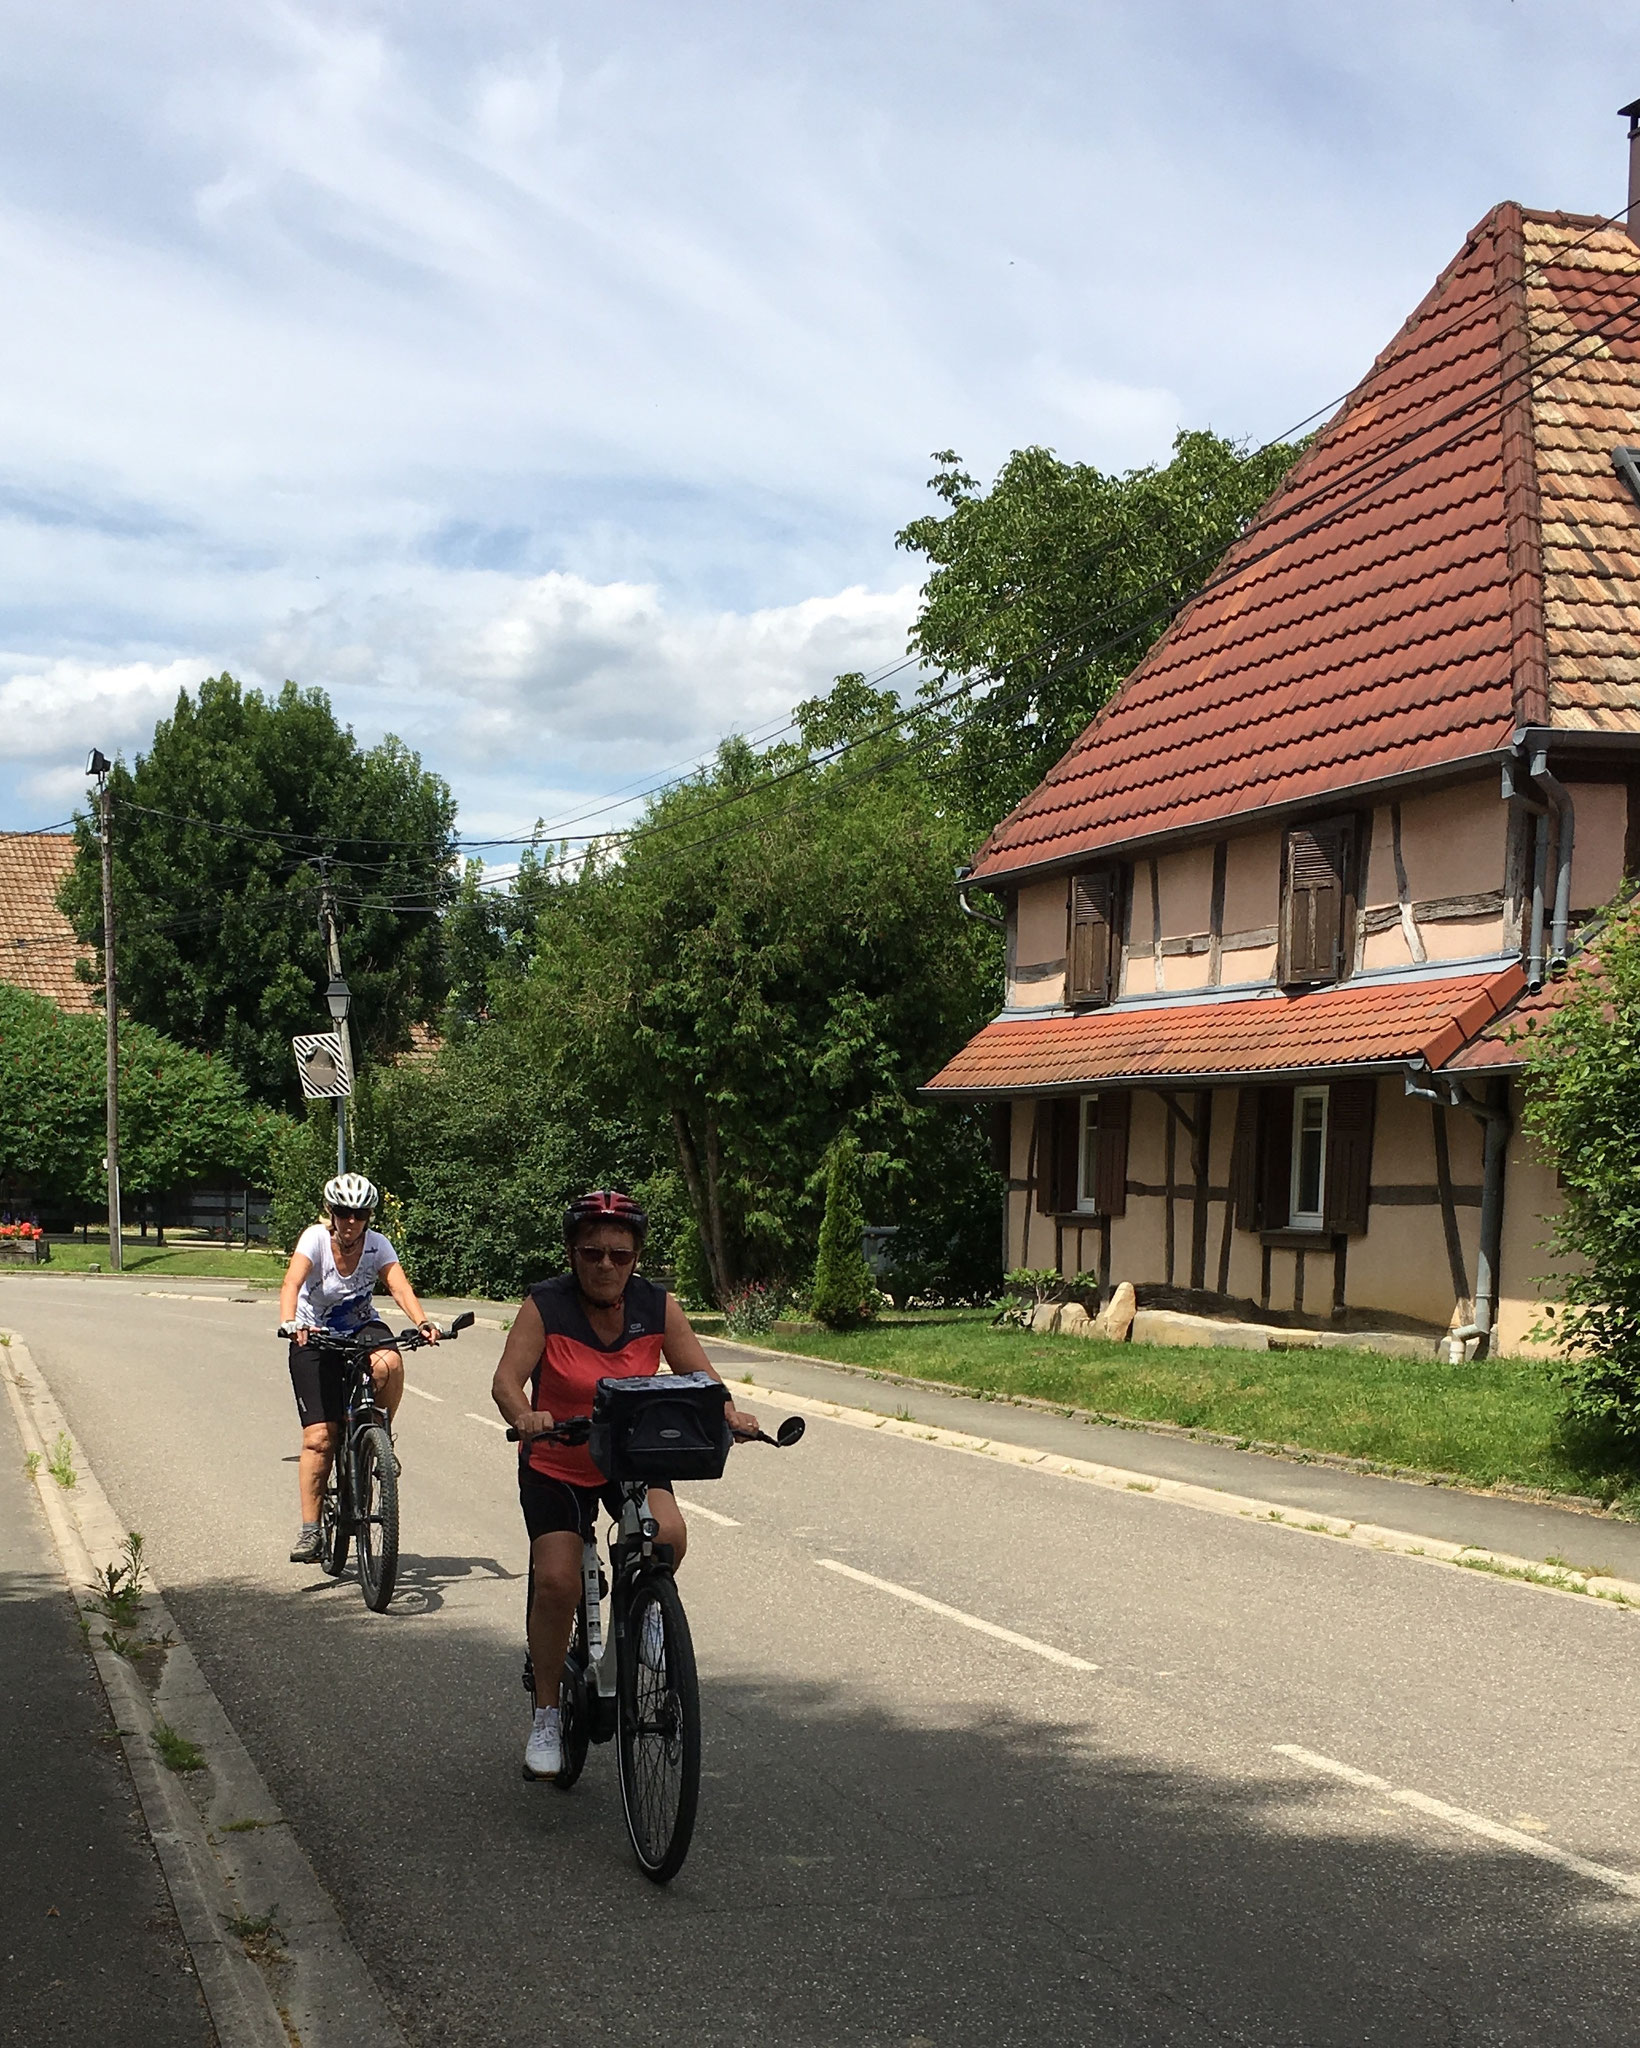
x=845 y=1293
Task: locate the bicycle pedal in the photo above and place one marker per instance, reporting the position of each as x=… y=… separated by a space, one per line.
x=529 y=1677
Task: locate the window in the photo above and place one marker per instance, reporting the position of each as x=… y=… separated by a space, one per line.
x=1091 y=955
x=1307 y=1204
x=1087 y=1178
x=1079 y=1154
x=1317 y=901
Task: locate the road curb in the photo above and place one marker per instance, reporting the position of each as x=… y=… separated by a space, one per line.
x=316 y=1991
x=1620 y=1594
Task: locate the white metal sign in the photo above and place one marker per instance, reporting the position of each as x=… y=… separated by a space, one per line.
x=322 y=1065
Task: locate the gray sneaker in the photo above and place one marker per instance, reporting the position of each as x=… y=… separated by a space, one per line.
x=306 y=1550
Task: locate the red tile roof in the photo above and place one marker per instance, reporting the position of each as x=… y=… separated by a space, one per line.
x=1350 y=1026
x=38 y=948
x=1498 y=1047
x=1441 y=567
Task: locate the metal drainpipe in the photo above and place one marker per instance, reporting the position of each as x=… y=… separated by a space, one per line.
x=1516 y=773
x=968 y=910
x=1566 y=823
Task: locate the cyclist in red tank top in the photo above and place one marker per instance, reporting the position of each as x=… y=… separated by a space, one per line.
x=600 y=1320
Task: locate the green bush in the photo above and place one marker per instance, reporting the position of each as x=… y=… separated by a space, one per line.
x=1583 y=1108
x=844 y=1293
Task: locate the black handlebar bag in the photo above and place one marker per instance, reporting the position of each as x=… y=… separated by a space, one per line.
x=674 y=1426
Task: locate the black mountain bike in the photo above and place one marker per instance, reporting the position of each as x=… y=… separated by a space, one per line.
x=360 y=1500
x=639 y=1685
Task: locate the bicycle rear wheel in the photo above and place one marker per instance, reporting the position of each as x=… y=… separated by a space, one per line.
x=376 y=1497
x=659 y=1734
x=574 y=1725
x=334 y=1510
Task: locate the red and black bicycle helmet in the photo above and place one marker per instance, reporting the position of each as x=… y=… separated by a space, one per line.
x=605 y=1205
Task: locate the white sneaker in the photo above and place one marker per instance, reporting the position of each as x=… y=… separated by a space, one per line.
x=652 y=1645
x=544 y=1752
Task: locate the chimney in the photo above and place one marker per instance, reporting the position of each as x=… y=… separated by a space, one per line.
x=1631 y=113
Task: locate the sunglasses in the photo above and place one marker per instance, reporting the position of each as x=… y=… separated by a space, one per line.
x=350 y=1215
x=603 y=1254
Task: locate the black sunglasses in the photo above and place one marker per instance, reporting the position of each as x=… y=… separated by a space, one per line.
x=350 y=1215
x=603 y=1254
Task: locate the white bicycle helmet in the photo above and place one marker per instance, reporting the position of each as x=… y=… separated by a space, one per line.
x=350 y=1191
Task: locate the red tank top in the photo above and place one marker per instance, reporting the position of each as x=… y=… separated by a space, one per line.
x=573 y=1361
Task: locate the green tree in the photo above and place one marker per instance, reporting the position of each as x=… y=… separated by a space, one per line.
x=1583 y=1108
x=217 y=920
x=1047 y=589
x=184 y=1117
x=844 y=1293
x=776 y=956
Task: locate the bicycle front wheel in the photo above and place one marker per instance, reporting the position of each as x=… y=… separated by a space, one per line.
x=659 y=1734
x=376 y=1498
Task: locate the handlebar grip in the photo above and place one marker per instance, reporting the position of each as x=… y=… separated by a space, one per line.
x=513 y=1437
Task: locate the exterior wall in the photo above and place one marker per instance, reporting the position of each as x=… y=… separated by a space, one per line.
x=1600 y=817
x=1036 y=944
x=1427 y=855
x=1530 y=1201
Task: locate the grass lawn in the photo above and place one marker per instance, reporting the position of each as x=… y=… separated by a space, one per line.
x=171 y=1261
x=1480 y=1423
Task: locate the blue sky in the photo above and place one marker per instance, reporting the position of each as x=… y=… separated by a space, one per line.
x=548 y=382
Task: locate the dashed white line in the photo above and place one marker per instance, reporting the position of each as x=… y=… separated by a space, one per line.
x=711 y=1514
x=1461 y=1817
x=488 y=1421
x=421 y=1393
x=973 y=1621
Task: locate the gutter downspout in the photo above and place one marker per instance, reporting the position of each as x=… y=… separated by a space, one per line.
x=1566 y=824
x=1516 y=789
x=1493 y=1112
x=968 y=910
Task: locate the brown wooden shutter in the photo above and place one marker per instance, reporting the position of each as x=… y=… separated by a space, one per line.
x=1314 y=908
x=1002 y=1138
x=1350 y=1107
x=1111 y=1153
x=1275 y=1158
x=1092 y=949
x=1050 y=1157
x=1068 y=1145
x=1244 y=1160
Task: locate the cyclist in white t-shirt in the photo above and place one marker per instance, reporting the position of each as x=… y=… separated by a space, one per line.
x=329 y=1285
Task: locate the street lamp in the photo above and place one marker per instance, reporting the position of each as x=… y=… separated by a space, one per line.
x=338 y=1001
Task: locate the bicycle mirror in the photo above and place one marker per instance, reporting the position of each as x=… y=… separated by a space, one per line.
x=789 y=1431
x=462 y=1322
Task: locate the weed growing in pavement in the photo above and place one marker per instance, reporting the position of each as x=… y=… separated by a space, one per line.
x=261 y=1937
x=31 y=1462
x=244 y=1827
x=1556 y=1579
x=119 y=1586
x=176 y=1752
x=904 y=1415
x=1141 y=1486
x=61 y=1462
x=122 y=1645
x=1589 y=1571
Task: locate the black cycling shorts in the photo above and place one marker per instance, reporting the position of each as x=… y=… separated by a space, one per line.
x=552 y=1504
x=318 y=1378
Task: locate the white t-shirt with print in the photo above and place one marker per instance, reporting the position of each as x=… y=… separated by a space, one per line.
x=339 y=1301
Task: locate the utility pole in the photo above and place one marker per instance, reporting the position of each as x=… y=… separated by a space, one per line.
x=338 y=999
x=97 y=766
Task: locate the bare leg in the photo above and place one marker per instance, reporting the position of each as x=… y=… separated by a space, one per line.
x=319 y=1442
x=387 y=1373
x=668 y=1519
x=557 y=1561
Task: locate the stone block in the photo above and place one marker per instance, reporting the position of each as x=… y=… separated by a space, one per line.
x=1045 y=1317
x=1074 y=1321
x=1115 y=1319
x=1168 y=1326
x=1392 y=1343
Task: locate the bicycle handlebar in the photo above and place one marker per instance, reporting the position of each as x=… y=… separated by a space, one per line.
x=406 y=1340
x=576 y=1428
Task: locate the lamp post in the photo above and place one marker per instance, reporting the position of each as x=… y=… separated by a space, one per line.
x=97 y=767
x=338 y=1000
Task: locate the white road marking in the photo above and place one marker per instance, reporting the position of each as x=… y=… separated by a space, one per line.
x=973 y=1621
x=421 y=1393
x=488 y=1421
x=1471 y=1823
x=711 y=1514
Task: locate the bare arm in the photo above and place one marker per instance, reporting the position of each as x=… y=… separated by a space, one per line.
x=398 y=1285
x=520 y=1355
x=684 y=1352
x=295 y=1273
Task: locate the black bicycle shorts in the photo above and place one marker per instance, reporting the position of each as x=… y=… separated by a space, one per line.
x=551 y=1505
x=319 y=1378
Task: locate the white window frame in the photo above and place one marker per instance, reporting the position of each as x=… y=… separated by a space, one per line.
x=1308 y=1219
x=1087 y=1120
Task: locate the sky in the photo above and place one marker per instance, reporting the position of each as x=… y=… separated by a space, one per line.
x=547 y=383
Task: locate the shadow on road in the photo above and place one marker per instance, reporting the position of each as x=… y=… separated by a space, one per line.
x=866 y=1876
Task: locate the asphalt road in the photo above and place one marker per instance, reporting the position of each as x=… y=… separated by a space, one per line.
x=911 y=1833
